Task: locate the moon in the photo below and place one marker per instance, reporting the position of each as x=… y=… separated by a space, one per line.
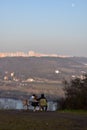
x=73 y=5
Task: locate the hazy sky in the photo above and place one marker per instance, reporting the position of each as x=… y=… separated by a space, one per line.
x=45 y=26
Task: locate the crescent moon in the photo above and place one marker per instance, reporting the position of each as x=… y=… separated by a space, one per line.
x=73 y=5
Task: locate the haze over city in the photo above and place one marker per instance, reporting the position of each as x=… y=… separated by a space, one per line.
x=44 y=26
x=29 y=54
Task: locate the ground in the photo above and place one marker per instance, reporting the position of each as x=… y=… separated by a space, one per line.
x=28 y=120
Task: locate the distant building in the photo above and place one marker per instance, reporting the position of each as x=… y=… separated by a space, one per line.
x=29 y=54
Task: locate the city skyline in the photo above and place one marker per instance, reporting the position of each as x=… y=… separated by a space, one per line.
x=45 y=26
x=30 y=54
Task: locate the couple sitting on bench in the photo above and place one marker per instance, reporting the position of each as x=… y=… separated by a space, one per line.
x=41 y=102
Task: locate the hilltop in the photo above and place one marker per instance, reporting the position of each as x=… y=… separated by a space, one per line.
x=28 y=120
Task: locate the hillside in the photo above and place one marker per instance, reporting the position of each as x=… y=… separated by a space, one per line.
x=43 y=67
x=47 y=72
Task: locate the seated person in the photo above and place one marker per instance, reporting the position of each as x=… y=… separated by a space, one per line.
x=43 y=103
x=34 y=101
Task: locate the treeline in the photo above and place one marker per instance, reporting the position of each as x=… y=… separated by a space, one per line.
x=75 y=94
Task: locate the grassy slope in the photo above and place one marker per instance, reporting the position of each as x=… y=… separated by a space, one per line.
x=26 y=120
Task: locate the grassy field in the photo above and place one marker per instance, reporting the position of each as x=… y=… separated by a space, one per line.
x=28 y=120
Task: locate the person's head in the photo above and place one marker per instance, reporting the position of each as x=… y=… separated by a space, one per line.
x=42 y=95
x=33 y=96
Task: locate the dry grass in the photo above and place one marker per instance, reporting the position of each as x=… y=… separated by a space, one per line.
x=26 y=120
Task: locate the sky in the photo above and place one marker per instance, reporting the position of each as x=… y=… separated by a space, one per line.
x=44 y=26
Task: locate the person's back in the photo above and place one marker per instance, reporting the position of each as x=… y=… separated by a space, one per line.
x=34 y=101
x=43 y=103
